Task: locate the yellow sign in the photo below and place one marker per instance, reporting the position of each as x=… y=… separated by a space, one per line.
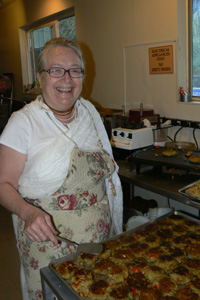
x=161 y=60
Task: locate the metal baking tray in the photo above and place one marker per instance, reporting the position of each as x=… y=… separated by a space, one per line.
x=153 y=156
x=183 y=192
x=74 y=256
x=58 y=261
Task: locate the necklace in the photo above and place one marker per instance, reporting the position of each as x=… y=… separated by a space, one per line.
x=66 y=121
x=58 y=112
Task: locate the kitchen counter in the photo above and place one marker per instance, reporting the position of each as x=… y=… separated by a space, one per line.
x=155 y=181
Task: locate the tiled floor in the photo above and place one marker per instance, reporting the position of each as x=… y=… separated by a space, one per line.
x=9 y=260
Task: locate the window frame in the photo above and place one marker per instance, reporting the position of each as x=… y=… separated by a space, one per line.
x=190 y=45
x=54 y=32
x=190 y=52
x=24 y=43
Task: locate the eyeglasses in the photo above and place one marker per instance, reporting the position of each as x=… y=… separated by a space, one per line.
x=60 y=72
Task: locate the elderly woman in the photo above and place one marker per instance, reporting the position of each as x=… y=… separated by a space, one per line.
x=57 y=173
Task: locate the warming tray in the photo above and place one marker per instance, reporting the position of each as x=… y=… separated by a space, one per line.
x=75 y=255
x=192 y=198
x=153 y=156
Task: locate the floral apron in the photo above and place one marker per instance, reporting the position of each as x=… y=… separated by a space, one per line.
x=80 y=212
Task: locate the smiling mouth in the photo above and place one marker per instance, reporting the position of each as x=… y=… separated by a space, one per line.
x=64 y=89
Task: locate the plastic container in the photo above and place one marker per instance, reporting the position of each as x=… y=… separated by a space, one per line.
x=160 y=135
x=157 y=212
x=136 y=221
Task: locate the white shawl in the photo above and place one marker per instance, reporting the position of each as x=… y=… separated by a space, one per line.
x=46 y=169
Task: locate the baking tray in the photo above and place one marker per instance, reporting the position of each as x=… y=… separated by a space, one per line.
x=153 y=156
x=75 y=255
x=191 y=198
x=58 y=261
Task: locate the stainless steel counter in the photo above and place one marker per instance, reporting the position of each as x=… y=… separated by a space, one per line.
x=164 y=184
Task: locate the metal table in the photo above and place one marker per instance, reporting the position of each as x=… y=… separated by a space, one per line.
x=165 y=185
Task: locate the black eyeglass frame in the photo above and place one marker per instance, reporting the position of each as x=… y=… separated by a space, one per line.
x=66 y=71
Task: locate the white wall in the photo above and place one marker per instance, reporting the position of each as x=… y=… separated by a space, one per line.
x=108 y=27
x=104 y=29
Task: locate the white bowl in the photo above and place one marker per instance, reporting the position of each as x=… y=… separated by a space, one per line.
x=156 y=212
x=136 y=221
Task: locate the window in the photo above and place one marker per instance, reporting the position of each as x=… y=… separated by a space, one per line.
x=194 y=47
x=34 y=38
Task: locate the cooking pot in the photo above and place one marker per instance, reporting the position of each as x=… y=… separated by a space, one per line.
x=181 y=145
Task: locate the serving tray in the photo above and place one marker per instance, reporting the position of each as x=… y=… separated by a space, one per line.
x=74 y=256
x=191 y=198
x=153 y=156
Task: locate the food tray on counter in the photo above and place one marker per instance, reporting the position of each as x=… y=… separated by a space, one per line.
x=153 y=156
x=192 y=191
x=141 y=249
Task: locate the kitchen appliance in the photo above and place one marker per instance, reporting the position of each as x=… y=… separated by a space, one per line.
x=131 y=139
x=138 y=115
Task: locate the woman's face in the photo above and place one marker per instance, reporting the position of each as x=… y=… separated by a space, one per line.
x=60 y=93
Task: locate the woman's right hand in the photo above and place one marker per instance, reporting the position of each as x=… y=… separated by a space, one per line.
x=39 y=227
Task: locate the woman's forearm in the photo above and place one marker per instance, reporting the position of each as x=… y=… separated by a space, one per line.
x=12 y=201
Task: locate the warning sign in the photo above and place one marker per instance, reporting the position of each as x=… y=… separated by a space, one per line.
x=161 y=60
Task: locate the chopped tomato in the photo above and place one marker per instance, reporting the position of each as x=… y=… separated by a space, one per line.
x=134 y=290
x=157 y=286
x=151 y=255
x=136 y=269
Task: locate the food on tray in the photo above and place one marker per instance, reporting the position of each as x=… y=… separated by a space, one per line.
x=167 y=285
x=160 y=261
x=195 y=159
x=186 y=293
x=81 y=280
x=120 y=291
x=98 y=289
x=67 y=269
x=150 y=293
x=195 y=285
x=169 y=152
x=189 y=153
x=194 y=190
x=181 y=274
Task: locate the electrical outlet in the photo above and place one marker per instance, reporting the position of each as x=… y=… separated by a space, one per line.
x=195 y=124
x=174 y=122
x=184 y=123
